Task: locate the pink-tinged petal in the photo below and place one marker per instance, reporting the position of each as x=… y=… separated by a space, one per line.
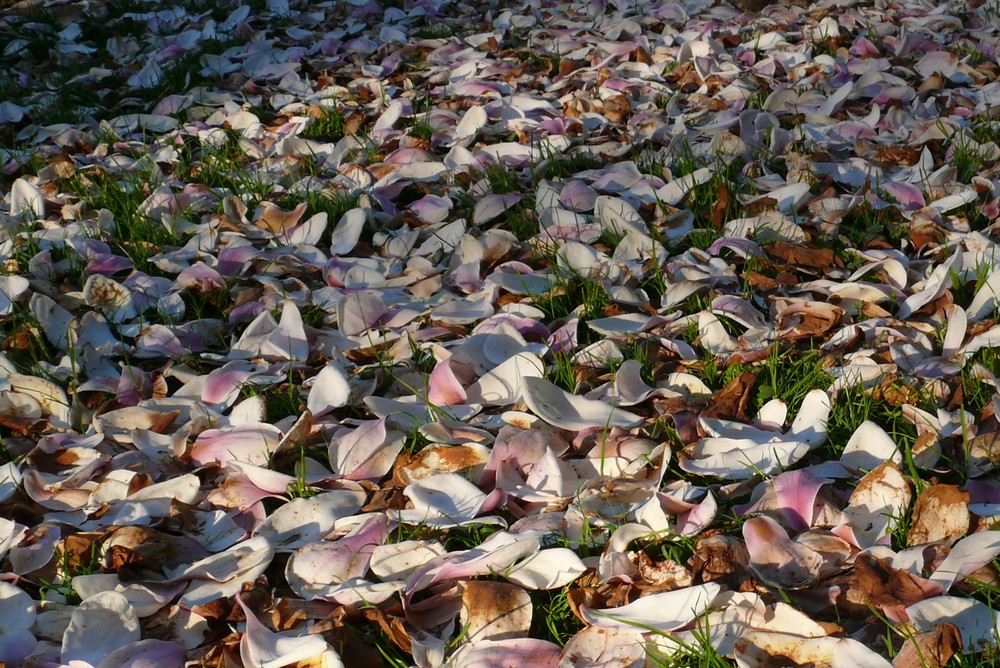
x=252 y=444
x=966 y=557
x=796 y=496
x=263 y=648
x=359 y=312
x=443 y=387
x=494 y=555
x=492 y=206
x=908 y=195
x=551 y=480
x=665 y=611
x=232 y=260
x=245 y=485
x=694 y=521
x=277 y=220
x=466 y=276
x=199 y=277
x=578 y=196
x=432 y=208
x=52 y=496
x=516 y=653
x=446 y=499
x=775 y=559
x=334 y=562
x=222 y=386
x=134 y=385
x=367 y=452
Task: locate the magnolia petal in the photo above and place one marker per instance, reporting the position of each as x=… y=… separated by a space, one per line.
x=516 y=653
x=443 y=387
x=665 y=611
x=548 y=569
x=777 y=560
x=264 y=648
x=446 y=499
x=252 y=443
x=502 y=385
x=223 y=574
x=976 y=622
x=878 y=497
x=348 y=231
x=18 y=612
x=608 y=648
x=574 y=413
x=795 y=493
x=967 y=556
x=287 y=340
x=149 y=652
x=397 y=561
x=100 y=625
x=367 y=452
x=869 y=447
x=305 y=520
x=761 y=649
x=329 y=390
x=25 y=197
x=494 y=611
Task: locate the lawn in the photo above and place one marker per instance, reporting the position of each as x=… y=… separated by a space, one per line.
x=418 y=333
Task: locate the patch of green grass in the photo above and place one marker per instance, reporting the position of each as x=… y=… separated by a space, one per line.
x=853 y=405
x=571 y=293
x=421 y=129
x=568 y=165
x=790 y=377
x=864 y=223
x=698 y=654
x=561 y=371
x=552 y=617
x=329 y=127
x=69 y=568
x=135 y=235
x=711 y=371
x=433 y=31
x=281 y=400
x=975 y=392
x=226 y=167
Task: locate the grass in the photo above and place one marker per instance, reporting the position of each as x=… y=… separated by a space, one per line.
x=328 y=127
x=65 y=90
x=865 y=224
x=552 y=617
x=135 y=235
x=790 y=377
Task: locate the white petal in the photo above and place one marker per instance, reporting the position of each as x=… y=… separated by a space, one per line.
x=99 y=625
x=568 y=411
x=548 y=569
x=664 y=611
x=262 y=648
